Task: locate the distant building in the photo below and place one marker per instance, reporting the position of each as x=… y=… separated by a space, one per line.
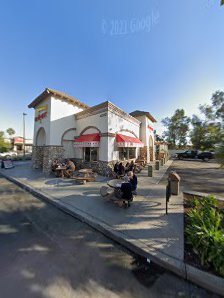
x=18 y=144
x=96 y=137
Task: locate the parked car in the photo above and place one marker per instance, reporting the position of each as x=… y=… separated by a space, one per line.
x=187 y=154
x=206 y=155
x=9 y=154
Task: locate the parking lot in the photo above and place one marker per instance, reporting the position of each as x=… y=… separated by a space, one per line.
x=200 y=176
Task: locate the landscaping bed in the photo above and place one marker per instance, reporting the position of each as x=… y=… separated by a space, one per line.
x=204 y=234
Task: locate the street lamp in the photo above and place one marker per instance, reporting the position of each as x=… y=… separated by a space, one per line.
x=24 y=136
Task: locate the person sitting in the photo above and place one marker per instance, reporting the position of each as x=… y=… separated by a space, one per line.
x=132 y=166
x=133 y=180
x=116 y=167
x=70 y=168
x=121 y=170
x=126 y=169
x=126 y=191
x=54 y=165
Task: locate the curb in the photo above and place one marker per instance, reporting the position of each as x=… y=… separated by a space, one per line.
x=206 y=280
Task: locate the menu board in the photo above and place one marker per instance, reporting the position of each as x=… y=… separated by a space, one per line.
x=7 y=164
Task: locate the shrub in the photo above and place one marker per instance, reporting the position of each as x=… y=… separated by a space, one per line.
x=205 y=233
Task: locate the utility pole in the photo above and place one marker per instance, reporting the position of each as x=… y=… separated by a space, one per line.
x=24 y=136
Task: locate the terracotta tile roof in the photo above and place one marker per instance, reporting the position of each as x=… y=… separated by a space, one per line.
x=142 y=113
x=61 y=95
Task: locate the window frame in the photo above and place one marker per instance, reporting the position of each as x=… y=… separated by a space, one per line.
x=90 y=154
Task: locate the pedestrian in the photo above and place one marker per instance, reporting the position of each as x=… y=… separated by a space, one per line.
x=126 y=191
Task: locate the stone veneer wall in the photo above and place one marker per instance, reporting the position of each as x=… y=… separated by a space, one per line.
x=103 y=168
x=51 y=153
x=43 y=156
x=151 y=152
x=37 y=157
x=143 y=152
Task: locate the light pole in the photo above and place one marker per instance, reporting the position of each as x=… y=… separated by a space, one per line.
x=24 y=136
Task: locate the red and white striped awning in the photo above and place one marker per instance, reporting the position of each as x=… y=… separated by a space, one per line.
x=89 y=140
x=127 y=141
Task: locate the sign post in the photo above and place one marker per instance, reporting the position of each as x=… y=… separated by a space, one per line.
x=24 y=136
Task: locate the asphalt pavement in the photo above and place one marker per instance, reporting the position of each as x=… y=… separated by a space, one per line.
x=47 y=253
x=196 y=175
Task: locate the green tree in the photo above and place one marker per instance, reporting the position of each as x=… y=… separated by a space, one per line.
x=208 y=132
x=215 y=111
x=4 y=146
x=177 y=129
x=10 y=131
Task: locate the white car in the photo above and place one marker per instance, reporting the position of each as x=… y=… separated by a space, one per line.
x=8 y=154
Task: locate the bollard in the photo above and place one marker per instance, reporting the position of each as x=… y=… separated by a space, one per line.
x=162 y=162
x=157 y=165
x=168 y=195
x=150 y=171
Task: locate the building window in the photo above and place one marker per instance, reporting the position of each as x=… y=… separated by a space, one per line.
x=127 y=153
x=132 y=153
x=90 y=154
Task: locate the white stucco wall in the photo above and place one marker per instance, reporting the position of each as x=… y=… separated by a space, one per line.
x=61 y=119
x=97 y=120
x=45 y=122
x=149 y=132
x=117 y=124
x=95 y=123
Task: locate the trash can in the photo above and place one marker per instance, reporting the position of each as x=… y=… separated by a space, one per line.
x=157 y=165
x=174 y=179
x=150 y=171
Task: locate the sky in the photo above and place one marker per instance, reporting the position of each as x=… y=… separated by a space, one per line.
x=150 y=55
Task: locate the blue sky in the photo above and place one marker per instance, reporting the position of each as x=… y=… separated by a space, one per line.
x=151 y=55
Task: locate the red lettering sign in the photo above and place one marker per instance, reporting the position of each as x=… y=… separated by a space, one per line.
x=151 y=128
x=41 y=116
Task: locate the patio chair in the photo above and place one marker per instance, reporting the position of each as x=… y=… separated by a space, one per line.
x=105 y=191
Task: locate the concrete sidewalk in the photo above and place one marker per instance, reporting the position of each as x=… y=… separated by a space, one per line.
x=143 y=228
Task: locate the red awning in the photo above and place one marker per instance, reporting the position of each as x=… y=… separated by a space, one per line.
x=127 y=141
x=90 y=140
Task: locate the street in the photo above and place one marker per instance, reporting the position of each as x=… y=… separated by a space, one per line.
x=47 y=253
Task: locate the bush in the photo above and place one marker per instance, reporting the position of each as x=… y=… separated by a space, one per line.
x=205 y=233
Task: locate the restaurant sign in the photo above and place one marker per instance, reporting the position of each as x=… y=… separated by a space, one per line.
x=150 y=128
x=41 y=115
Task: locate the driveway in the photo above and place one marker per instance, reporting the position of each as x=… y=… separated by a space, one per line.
x=200 y=176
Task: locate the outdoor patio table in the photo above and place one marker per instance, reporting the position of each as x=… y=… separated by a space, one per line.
x=115 y=183
x=61 y=171
x=86 y=172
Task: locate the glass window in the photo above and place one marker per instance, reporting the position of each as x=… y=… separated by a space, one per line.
x=132 y=153
x=90 y=154
x=94 y=154
x=127 y=153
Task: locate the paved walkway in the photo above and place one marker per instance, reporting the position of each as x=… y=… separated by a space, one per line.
x=145 y=222
x=143 y=228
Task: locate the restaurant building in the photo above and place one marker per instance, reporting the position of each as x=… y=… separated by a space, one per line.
x=95 y=137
